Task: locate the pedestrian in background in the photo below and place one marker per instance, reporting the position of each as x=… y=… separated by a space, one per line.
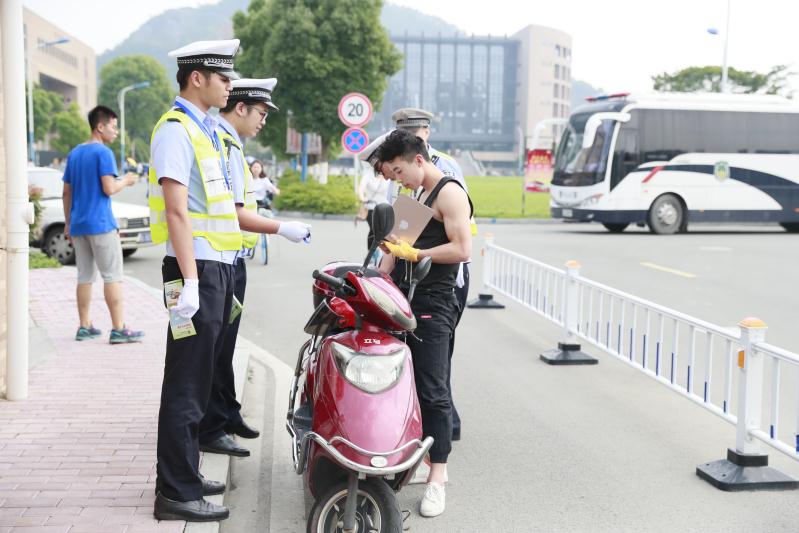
x=373 y=190
x=90 y=179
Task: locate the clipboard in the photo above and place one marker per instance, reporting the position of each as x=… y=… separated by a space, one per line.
x=410 y=219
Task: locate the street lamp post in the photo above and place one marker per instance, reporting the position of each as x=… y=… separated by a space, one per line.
x=29 y=76
x=121 y=102
x=724 y=68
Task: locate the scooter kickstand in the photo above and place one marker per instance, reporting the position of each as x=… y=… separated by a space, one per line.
x=350 y=504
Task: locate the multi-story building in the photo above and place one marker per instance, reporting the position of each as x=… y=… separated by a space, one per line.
x=487 y=93
x=68 y=68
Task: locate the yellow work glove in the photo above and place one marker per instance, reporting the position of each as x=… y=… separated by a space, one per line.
x=403 y=250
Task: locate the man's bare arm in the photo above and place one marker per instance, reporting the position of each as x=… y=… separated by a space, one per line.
x=249 y=221
x=176 y=200
x=111 y=185
x=453 y=204
x=66 y=198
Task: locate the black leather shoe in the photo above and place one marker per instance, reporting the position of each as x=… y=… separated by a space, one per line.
x=194 y=511
x=243 y=430
x=211 y=487
x=225 y=445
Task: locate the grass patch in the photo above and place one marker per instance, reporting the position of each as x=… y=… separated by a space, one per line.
x=40 y=260
x=501 y=197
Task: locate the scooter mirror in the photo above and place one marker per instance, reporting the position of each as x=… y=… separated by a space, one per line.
x=422 y=269
x=382 y=221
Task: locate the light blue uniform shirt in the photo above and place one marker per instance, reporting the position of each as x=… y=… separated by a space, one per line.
x=446 y=164
x=236 y=163
x=172 y=156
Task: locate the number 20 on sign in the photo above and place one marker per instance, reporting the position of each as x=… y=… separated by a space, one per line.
x=355 y=110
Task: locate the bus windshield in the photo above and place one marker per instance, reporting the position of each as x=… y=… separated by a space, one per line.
x=576 y=166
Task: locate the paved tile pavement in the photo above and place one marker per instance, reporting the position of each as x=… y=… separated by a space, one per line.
x=79 y=455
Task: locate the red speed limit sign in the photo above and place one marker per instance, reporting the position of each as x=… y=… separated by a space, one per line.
x=355 y=110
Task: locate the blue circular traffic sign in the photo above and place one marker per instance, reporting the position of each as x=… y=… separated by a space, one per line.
x=354 y=140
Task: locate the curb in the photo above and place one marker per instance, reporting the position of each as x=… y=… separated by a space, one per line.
x=212 y=466
x=479 y=220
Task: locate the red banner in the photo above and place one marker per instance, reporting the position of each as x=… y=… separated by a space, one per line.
x=538 y=171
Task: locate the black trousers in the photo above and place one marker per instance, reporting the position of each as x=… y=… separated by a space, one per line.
x=430 y=348
x=188 y=380
x=461 y=293
x=223 y=408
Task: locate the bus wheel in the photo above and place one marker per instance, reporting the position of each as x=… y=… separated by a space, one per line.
x=791 y=227
x=666 y=215
x=617 y=227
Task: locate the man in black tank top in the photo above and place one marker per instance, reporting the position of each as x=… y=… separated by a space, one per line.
x=447 y=241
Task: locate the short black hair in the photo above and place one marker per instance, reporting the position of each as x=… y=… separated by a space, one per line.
x=100 y=115
x=401 y=143
x=231 y=104
x=182 y=77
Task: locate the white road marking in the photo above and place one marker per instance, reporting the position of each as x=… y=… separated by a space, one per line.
x=669 y=270
x=715 y=248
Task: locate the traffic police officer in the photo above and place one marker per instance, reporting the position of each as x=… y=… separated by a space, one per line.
x=417 y=121
x=192 y=210
x=247 y=107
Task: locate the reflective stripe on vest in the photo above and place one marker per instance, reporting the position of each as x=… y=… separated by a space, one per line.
x=249 y=239
x=219 y=223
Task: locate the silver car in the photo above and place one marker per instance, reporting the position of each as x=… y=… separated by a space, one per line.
x=133 y=220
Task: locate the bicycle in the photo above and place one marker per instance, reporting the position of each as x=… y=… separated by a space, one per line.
x=263 y=239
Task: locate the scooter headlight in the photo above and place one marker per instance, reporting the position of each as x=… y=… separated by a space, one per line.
x=370 y=373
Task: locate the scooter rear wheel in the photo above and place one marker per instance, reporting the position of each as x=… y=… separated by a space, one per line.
x=376 y=511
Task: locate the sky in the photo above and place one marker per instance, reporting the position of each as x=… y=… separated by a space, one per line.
x=618 y=45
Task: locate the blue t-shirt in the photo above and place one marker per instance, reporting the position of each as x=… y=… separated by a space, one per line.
x=90 y=213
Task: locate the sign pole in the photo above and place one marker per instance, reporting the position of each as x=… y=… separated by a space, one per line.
x=304 y=150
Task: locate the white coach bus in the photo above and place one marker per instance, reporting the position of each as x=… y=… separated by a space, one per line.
x=668 y=159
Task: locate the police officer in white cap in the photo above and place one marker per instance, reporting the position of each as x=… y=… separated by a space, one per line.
x=192 y=210
x=245 y=114
x=417 y=121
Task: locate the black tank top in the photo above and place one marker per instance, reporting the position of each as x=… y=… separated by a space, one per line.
x=442 y=277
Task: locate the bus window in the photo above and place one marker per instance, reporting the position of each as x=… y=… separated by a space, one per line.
x=579 y=167
x=625 y=157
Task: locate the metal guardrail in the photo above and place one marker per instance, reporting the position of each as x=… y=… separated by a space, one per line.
x=686 y=354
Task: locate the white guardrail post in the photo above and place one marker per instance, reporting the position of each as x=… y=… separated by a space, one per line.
x=485 y=300
x=568 y=351
x=746 y=467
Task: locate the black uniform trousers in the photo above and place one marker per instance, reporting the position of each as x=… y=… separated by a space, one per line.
x=436 y=315
x=188 y=380
x=223 y=408
x=461 y=293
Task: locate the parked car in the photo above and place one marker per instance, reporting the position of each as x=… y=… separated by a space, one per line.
x=133 y=220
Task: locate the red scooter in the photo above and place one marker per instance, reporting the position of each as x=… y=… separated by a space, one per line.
x=353 y=412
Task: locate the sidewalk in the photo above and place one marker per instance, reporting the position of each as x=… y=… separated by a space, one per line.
x=79 y=454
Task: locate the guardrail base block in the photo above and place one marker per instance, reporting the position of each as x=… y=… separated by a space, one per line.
x=739 y=472
x=567 y=354
x=485 y=301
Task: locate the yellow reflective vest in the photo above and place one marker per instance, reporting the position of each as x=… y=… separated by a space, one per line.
x=248 y=238
x=219 y=224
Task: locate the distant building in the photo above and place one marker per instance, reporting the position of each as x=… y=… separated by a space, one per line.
x=70 y=68
x=488 y=93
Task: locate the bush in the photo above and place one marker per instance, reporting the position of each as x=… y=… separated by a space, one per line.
x=39 y=260
x=336 y=197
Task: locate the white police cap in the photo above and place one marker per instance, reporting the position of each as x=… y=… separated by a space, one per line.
x=208 y=55
x=411 y=118
x=368 y=153
x=250 y=89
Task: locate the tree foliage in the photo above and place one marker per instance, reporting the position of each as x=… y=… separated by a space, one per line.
x=45 y=106
x=319 y=50
x=71 y=127
x=143 y=107
x=708 y=79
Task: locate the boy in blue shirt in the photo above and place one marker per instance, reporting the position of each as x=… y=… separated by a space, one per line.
x=90 y=178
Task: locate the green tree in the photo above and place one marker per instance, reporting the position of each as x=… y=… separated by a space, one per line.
x=319 y=50
x=696 y=79
x=143 y=107
x=45 y=106
x=71 y=129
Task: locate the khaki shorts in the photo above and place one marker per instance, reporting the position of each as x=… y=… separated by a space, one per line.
x=101 y=252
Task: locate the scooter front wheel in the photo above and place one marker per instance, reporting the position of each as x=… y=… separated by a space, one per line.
x=376 y=510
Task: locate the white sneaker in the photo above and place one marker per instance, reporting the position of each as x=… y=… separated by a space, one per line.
x=422 y=473
x=432 y=501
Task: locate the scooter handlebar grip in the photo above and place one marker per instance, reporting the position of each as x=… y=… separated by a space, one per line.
x=334 y=282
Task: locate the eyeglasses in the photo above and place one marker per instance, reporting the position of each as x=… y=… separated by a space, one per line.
x=263 y=114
